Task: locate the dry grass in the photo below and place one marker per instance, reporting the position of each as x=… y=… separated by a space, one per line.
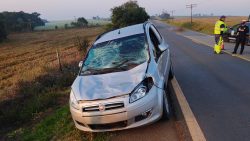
x=25 y=56
x=204 y=24
x=30 y=80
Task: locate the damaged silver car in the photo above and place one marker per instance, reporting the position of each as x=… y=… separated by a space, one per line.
x=122 y=81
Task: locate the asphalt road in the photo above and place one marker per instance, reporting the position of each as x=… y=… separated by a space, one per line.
x=217 y=87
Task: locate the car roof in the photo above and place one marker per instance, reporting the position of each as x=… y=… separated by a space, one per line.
x=120 y=33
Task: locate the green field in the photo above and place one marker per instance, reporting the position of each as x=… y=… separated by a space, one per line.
x=60 y=24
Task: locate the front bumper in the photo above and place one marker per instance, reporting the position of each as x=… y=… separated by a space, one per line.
x=141 y=112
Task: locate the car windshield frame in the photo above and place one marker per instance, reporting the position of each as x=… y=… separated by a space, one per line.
x=119 y=67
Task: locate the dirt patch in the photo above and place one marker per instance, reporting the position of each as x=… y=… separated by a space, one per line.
x=182 y=131
x=159 y=131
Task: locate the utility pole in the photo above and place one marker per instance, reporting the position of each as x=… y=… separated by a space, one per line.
x=172 y=11
x=191 y=6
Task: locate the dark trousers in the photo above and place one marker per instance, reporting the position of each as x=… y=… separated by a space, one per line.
x=242 y=41
x=217 y=38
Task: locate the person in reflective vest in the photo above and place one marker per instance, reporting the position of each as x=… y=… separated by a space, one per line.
x=219 y=29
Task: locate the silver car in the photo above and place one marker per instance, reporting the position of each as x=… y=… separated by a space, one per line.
x=122 y=81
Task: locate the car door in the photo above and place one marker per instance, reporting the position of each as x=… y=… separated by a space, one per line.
x=162 y=58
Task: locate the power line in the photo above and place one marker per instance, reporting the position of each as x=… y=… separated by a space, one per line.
x=172 y=11
x=191 y=6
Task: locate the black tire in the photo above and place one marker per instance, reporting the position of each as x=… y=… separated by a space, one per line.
x=166 y=105
x=171 y=73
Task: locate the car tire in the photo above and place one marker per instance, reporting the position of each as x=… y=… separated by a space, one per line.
x=166 y=114
x=171 y=73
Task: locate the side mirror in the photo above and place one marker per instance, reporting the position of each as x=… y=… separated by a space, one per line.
x=80 y=64
x=163 y=47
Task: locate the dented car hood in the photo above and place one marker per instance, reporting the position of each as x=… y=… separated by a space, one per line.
x=109 y=85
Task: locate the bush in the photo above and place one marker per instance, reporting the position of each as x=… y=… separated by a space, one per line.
x=82 y=44
x=66 y=26
x=3 y=33
x=109 y=27
x=37 y=96
x=81 y=22
x=128 y=14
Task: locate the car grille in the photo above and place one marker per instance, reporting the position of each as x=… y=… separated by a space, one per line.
x=108 y=106
x=115 y=125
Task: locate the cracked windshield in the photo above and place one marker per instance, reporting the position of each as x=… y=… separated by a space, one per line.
x=116 y=55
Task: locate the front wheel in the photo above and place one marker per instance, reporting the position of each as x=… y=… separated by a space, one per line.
x=171 y=73
x=166 y=106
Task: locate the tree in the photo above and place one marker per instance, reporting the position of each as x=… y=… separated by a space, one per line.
x=165 y=15
x=129 y=13
x=81 y=22
x=20 y=21
x=66 y=26
x=3 y=33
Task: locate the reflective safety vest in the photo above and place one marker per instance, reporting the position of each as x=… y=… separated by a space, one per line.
x=218 y=29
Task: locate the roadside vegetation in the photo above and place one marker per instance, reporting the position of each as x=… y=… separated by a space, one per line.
x=18 y=22
x=127 y=14
x=33 y=91
x=202 y=24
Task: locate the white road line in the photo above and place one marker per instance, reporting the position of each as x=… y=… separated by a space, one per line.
x=192 y=124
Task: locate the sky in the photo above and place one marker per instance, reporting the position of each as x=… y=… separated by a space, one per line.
x=71 y=9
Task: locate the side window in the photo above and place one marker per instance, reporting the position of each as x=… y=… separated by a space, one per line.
x=156 y=42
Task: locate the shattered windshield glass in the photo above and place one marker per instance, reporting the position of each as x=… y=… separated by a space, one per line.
x=116 y=55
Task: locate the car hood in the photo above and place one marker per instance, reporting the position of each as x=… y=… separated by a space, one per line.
x=109 y=85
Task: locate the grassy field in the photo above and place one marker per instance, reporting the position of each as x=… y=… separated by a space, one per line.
x=60 y=24
x=203 y=24
x=33 y=92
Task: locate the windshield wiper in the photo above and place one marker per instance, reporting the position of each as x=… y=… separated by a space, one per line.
x=90 y=71
x=123 y=66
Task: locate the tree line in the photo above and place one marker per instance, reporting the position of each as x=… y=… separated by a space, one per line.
x=18 y=22
x=129 y=13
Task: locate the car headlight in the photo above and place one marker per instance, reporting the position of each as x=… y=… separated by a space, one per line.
x=73 y=102
x=141 y=90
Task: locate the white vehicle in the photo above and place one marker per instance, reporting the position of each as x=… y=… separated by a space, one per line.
x=122 y=81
